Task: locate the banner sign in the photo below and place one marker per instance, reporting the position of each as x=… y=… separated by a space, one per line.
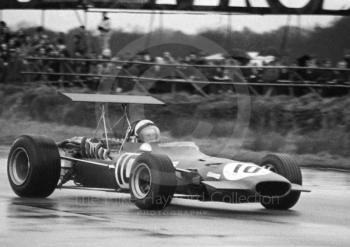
x=298 y=7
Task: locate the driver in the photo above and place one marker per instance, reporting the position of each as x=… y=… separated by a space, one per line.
x=146 y=131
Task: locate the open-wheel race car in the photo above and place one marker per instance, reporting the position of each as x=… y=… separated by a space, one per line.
x=151 y=171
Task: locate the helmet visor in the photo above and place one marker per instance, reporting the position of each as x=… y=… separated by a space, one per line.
x=150 y=134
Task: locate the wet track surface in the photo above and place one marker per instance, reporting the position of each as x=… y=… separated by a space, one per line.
x=95 y=218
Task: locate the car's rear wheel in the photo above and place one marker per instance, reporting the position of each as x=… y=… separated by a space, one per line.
x=152 y=181
x=33 y=166
x=287 y=167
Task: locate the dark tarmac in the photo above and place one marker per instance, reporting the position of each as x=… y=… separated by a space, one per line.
x=95 y=218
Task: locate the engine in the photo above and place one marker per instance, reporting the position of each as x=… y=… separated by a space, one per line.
x=92 y=148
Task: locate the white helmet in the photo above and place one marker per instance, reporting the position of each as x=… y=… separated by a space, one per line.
x=147 y=131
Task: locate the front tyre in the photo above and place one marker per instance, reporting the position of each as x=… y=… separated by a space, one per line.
x=287 y=167
x=33 y=166
x=152 y=181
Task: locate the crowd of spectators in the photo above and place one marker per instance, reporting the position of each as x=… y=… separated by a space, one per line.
x=16 y=46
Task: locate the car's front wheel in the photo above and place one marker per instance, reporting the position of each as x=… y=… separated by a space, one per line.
x=152 y=181
x=287 y=167
x=33 y=166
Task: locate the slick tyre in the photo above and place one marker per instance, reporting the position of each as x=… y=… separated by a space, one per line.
x=152 y=181
x=287 y=167
x=33 y=166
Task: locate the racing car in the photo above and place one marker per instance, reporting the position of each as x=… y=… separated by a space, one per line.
x=153 y=172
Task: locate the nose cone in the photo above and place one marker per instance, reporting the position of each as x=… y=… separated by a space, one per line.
x=257 y=179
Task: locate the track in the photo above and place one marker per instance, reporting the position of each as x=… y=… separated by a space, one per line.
x=92 y=218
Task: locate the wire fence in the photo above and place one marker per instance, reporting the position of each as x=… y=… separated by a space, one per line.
x=120 y=74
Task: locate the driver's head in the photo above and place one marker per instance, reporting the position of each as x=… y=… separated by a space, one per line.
x=147 y=131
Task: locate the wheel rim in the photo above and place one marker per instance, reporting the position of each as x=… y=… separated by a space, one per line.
x=141 y=184
x=19 y=166
x=269 y=167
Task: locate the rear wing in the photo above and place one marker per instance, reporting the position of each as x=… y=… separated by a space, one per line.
x=113 y=98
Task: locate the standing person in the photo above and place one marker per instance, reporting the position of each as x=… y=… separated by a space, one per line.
x=105 y=31
x=347 y=58
x=3 y=66
x=107 y=84
x=341 y=74
x=4 y=32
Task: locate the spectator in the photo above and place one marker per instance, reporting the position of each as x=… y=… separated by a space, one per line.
x=342 y=75
x=168 y=72
x=327 y=75
x=159 y=61
x=347 y=58
x=4 y=32
x=105 y=31
x=192 y=59
x=311 y=74
x=5 y=53
x=240 y=56
x=106 y=83
x=3 y=69
x=38 y=35
x=306 y=74
x=79 y=45
x=302 y=61
x=201 y=59
x=61 y=46
x=168 y=58
x=142 y=68
x=271 y=75
x=221 y=75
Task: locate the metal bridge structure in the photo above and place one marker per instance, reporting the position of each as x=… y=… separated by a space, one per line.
x=264 y=7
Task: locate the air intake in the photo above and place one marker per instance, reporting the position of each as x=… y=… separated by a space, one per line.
x=273 y=189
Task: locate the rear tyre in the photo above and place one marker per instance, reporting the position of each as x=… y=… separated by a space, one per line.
x=287 y=167
x=152 y=181
x=33 y=166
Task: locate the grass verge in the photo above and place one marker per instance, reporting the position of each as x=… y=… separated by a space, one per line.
x=10 y=129
x=221 y=146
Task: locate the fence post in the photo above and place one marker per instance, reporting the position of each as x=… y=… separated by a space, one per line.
x=42 y=18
